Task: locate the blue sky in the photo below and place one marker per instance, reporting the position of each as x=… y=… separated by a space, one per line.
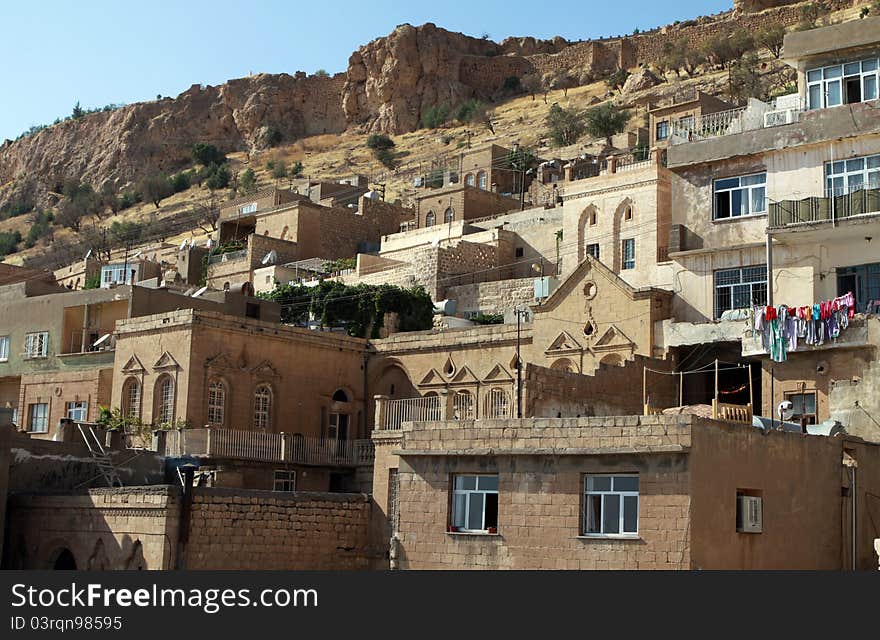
x=58 y=52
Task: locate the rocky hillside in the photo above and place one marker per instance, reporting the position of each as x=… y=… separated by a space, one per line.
x=388 y=85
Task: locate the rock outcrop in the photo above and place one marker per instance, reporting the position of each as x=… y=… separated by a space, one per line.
x=639 y=81
x=122 y=145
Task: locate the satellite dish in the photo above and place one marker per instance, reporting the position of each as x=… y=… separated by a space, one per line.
x=88 y=254
x=136 y=255
x=199 y=292
x=183 y=244
x=101 y=340
x=435 y=243
x=209 y=243
x=785 y=410
x=270 y=257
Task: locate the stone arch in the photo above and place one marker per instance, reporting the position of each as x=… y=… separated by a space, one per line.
x=430 y=218
x=448 y=215
x=284 y=232
x=469 y=179
x=483 y=180
x=590 y=213
x=617 y=222
x=393 y=380
x=132 y=397
x=164 y=399
x=62 y=559
x=564 y=364
x=612 y=360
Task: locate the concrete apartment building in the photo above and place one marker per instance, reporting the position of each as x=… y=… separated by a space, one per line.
x=650 y=492
x=778 y=204
x=57 y=346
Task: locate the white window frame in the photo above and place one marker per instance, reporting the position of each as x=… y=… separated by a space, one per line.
x=284 y=480
x=216 y=414
x=38 y=423
x=118 y=274
x=4 y=348
x=603 y=495
x=262 y=407
x=628 y=251
x=748 y=194
x=821 y=79
x=461 y=498
x=245 y=209
x=740 y=283
x=77 y=410
x=662 y=125
x=497 y=403
x=845 y=176
x=132 y=394
x=593 y=249
x=463 y=405
x=167 y=399
x=483 y=180
x=36 y=345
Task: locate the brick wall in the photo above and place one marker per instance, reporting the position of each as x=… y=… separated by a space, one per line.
x=233 y=529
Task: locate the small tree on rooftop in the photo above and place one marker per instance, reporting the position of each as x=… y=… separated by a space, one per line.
x=564 y=126
x=606 y=120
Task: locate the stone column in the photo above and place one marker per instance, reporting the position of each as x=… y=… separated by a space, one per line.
x=381 y=411
x=446 y=410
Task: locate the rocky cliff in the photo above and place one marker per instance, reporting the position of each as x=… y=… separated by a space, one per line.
x=120 y=146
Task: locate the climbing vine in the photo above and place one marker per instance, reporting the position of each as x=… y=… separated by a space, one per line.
x=360 y=309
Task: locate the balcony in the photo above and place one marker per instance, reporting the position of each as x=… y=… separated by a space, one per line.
x=229 y=256
x=460 y=405
x=91 y=341
x=758 y=115
x=238 y=444
x=834 y=206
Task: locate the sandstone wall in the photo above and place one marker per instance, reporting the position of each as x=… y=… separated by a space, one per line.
x=256 y=530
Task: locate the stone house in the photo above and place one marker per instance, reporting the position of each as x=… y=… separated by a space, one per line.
x=650 y=492
x=445 y=205
x=680 y=117
x=57 y=346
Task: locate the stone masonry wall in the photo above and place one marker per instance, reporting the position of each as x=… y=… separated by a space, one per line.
x=235 y=529
x=492 y=297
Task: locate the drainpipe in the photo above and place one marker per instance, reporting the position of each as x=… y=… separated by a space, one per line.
x=849 y=461
x=185 y=512
x=769 y=268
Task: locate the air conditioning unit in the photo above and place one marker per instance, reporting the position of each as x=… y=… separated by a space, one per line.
x=778 y=118
x=749 y=514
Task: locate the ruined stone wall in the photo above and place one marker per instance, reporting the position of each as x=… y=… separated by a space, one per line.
x=234 y=529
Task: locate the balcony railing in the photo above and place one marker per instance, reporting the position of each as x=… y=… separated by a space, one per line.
x=783 y=110
x=238 y=444
x=91 y=341
x=837 y=204
x=397 y=412
x=228 y=257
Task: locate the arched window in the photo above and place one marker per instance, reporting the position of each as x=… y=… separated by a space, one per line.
x=469 y=179
x=164 y=400
x=482 y=180
x=262 y=407
x=497 y=403
x=131 y=398
x=216 y=403
x=340 y=396
x=429 y=219
x=448 y=215
x=463 y=405
x=284 y=232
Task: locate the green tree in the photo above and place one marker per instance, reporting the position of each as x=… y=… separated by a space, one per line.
x=435 y=116
x=296 y=169
x=475 y=112
x=605 y=121
x=379 y=141
x=77 y=112
x=181 y=181
x=218 y=177
x=564 y=126
x=563 y=80
x=155 y=188
x=743 y=79
x=387 y=158
x=9 y=242
x=531 y=84
x=93 y=281
x=771 y=38
x=207 y=154
x=277 y=168
x=617 y=79
x=321 y=73
x=247 y=181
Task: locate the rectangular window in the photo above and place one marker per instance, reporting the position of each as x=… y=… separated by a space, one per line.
x=4 y=348
x=740 y=288
x=38 y=418
x=846 y=176
x=593 y=250
x=611 y=505
x=475 y=503
x=36 y=345
x=842 y=84
x=285 y=480
x=662 y=130
x=740 y=196
x=803 y=404
x=629 y=253
x=686 y=124
x=247 y=208
x=77 y=411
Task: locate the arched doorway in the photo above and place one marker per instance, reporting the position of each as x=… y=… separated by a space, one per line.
x=64 y=560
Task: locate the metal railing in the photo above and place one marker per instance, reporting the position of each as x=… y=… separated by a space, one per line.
x=836 y=204
x=238 y=444
x=710 y=125
x=228 y=256
x=410 y=410
x=83 y=341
